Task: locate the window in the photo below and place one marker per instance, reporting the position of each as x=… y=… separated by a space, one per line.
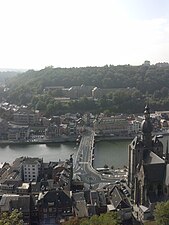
x=50 y=209
x=44 y=210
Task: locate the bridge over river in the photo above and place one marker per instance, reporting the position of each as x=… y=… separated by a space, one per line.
x=83 y=163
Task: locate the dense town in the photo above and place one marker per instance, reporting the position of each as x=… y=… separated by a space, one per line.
x=54 y=192
x=84 y=112
x=28 y=126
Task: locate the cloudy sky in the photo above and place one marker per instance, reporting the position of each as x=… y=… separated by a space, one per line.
x=75 y=33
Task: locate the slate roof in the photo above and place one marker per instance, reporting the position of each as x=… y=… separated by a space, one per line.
x=154 y=168
x=60 y=198
x=167 y=175
x=152 y=158
x=118 y=199
x=5 y=201
x=155 y=172
x=80 y=205
x=22 y=203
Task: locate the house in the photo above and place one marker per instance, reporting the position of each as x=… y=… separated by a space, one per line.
x=3 y=129
x=32 y=169
x=110 y=126
x=9 y=202
x=52 y=131
x=144 y=213
x=80 y=205
x=54 y=206
x=25 y=116
x=18 y=132
x=62 y=174
x=120 y=203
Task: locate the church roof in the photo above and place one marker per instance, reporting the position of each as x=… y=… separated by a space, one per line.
x=167 y=175
x=154 y=168
x=118 y=199
x=152 y=158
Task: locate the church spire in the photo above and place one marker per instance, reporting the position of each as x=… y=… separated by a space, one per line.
x=166 y=154
x=146 y=128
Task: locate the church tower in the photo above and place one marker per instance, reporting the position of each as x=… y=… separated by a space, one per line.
x=146 y=167
x=166 y=154
x=146 y=128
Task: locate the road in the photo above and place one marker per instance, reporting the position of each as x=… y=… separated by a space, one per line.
x=83 y=163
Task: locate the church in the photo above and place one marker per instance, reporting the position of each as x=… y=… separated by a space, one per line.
x=148 y=167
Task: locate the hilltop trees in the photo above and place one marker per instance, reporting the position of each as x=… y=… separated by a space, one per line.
x=131 y=86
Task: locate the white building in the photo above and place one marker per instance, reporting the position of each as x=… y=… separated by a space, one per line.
x=31 y=169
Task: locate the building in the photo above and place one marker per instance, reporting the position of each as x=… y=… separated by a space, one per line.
x=18 y=132
x=10 y=202
x=26 y=117
x=54 y=206
x=111 y=126
x=134 y=127
x=62 y=174
x=146 y=63
x=52 y=131
x=147 y=168
x=32 y=169
x=119 y=203
x=76 y=92
x=3 y=129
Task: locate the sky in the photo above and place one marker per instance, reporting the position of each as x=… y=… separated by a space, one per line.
x=78 y=33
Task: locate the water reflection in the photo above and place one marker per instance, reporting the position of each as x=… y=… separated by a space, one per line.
x=112 y=153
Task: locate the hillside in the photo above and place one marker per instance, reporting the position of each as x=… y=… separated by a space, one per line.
x=150 y=83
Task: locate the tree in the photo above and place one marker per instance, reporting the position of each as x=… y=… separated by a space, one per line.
x=14 y=218
x=162 y=213
x=110 y=218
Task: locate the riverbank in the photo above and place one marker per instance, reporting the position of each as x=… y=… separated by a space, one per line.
x=39 y=141
x=64 y=139
x=111 y=138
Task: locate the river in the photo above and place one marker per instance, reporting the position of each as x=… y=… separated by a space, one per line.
x=113 y=153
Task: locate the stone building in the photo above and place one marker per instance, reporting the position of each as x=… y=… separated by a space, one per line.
x=148 y=173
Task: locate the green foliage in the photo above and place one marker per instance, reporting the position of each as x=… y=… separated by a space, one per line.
x=14 y=218
x=150 y=223
x=131 y=87
x=110 y=218
x=162 y=213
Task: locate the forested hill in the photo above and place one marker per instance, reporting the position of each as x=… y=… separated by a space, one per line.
x=144 y=78
x=5 y=75
x=136 y=84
